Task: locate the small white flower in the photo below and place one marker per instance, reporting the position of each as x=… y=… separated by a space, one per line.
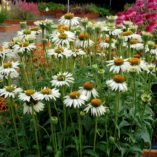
x=118 y=64
x=137 y=65
x=84 y=40
x=26 y=32
x=88 y=90
x=77 y=52
x=24 y=47
x=9 y=69
x=117 y=83
x=30 y=95
x=136 y=36
x=30 y=107
x=69 y=19
x=49 y=94
x=116 y=32
x=43 y=23
x=63 y=38
x=59 y=52
x=151 y=68
x=62 y=79
x=153 y=51
x=96 y=108
x=74 y=99
x=138 y=46
x=10 y=91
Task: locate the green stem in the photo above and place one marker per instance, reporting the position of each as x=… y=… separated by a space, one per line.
x=117 y=110
x=80 y=131
x=134 y=93
x=36 y=132
x=15 y=127
x=95 y=132
x=52 y=130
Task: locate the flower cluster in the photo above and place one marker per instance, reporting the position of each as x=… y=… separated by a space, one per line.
x=95 y=70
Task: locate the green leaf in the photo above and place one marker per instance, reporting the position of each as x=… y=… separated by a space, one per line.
x=123 y=123
x=91 y=153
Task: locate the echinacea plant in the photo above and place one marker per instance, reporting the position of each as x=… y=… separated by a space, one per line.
x=78 y=88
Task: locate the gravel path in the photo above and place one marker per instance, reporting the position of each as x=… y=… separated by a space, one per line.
x=6 y=36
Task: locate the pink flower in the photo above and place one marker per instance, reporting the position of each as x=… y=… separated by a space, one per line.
x=139 y=4
x=150 y=29
x=139 y=20
x=29 y=6
x=119 y=21
x=130 y=13
x=151 y=16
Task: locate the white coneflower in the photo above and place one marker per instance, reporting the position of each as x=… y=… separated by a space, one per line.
x=24 y=47
x=9 y=69
x=96 y=108
x=59 y=52
x=62 y=38
x=62 y=79
x=10 y=91
x=88 y=90
x=118 y=64
x=137 y=64
x=26 y=32
x=44 y=23
x=107 y=42
x=3 y=53
x=30 y=107
x=84 y=40
x=75 y=99
x=31 y=99
x=49 y=94
x=138 y=46
x=117 y=83
x=69 y=19
x=151 y=68
x=136 y=36
x=116 y=32
x=77 y=52
x=36 y=30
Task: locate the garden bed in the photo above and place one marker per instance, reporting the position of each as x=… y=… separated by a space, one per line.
x=59 y=13
x=149 y=153
x=9 y=28
x=16 y=21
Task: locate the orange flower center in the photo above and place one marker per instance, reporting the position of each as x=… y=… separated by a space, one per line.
x=88 y=85
x=107 y=39
x=59 y=50
x=35 y=28
x=63 y=28
x=74 y=94
x=126 y=33
x=68 y=16
x=118 y=61
x=155 y=46
x=119 y=78
x=29 y=92
x=62 y=36
x=84 y=36
x=96 y=102
x=133 y=41
x=24 y=44
x=134 y=61
x=137 y=56
x=7 y=65
x=46 y=91
x=27 y=31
